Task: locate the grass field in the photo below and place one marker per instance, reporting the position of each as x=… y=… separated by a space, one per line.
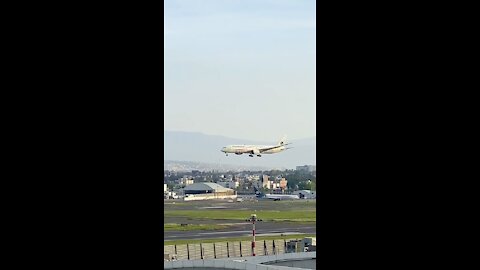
x=246 y=238
x=233 y=214
x=192 y=227
x=259 y=205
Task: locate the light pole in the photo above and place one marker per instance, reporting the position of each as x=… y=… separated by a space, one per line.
x=253 y=219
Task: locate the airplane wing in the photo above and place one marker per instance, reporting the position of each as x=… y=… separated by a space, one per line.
x=272 y=147
x=269 y=148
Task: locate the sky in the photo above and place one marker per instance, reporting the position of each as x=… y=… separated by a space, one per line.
x=240 y=68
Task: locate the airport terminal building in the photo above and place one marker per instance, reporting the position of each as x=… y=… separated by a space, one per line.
x=207 y=191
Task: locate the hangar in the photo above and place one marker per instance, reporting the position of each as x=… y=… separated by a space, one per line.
x=206 y=190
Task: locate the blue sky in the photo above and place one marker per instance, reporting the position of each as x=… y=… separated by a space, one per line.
x=240 y=68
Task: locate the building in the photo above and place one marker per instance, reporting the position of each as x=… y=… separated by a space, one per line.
x=253 y=177
x=165 y=188
x=306 y=168
x=274 y=185
x=265 y=182
x=208 y=191
x=185 y=181
x=229 y=184
x=283 y=183
x=170 y=195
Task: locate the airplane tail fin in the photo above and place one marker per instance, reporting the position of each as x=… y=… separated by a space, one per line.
x=258 y=194
x=283 y=141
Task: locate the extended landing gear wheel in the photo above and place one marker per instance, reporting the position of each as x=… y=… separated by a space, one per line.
x=250 y=155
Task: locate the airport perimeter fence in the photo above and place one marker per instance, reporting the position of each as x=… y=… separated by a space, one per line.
x=230 y=249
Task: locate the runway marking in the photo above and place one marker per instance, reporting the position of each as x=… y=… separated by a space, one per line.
x=225 y=232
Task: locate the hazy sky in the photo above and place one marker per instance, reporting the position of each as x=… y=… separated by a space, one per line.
x=240 y=68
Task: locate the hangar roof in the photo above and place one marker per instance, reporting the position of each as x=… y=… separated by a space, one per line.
x=206 y=186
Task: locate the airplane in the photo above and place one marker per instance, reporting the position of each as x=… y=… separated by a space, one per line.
x=278 y=197
x=275 y=197
x=256 y=149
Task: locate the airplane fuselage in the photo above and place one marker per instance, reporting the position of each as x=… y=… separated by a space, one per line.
x=253 y=149
x=257 y=150
x=247 y=149
x=279 y=197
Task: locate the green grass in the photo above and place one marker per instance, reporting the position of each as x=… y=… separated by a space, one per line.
x=192 y=227
x=171 y=204
x=246 y=238
x=266 y=215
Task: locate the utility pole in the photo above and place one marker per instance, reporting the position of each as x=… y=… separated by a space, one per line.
x=253 y=219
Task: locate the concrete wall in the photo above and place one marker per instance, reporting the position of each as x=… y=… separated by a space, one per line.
x=221 y=249
x=297 y=260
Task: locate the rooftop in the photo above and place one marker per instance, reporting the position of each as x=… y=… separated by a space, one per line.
x=206 y=186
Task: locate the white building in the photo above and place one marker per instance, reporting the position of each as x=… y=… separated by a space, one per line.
x=185 y=181
x=229 y=184
x=170 y=195
x=208 y=191
x=253 y=177
x=266 y=182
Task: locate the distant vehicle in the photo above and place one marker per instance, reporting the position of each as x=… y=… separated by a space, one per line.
x=256 y=149
x=275 y=197
x=239 y=200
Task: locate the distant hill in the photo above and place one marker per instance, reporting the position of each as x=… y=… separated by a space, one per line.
x=198 y=147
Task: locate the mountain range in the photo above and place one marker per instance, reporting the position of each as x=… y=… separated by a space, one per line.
x=199 y=147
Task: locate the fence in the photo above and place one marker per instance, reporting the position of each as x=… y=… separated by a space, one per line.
x=230 y=249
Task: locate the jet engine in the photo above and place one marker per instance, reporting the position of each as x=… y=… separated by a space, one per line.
x=256 y=151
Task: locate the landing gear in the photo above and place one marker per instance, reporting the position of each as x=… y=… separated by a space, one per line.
x=226 y=155
x=250 y=155
x=259 y=155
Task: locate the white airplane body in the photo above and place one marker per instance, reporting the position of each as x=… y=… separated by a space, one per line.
x=278 y=197
x=256 y=149
x=274 y=197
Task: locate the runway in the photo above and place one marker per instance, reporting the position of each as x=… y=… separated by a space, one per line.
x=236 y=227
x=244 y=230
